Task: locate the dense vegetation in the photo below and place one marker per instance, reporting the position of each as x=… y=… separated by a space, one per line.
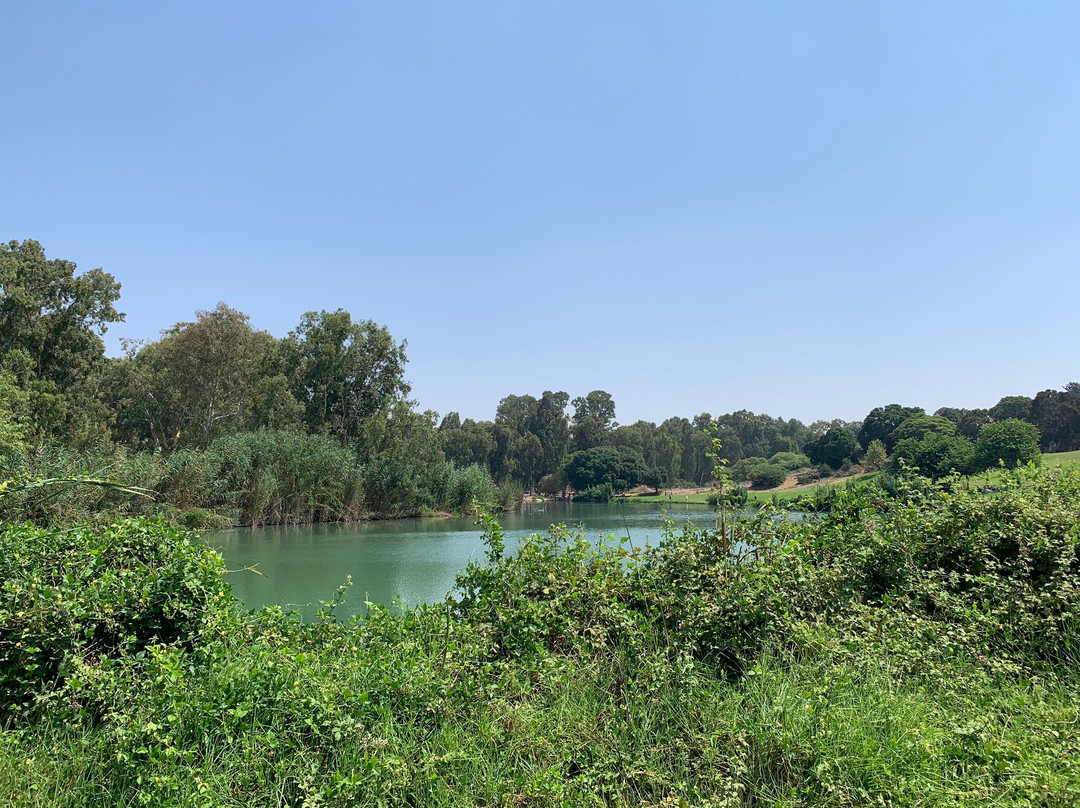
x=918 y=650
x=226 y=423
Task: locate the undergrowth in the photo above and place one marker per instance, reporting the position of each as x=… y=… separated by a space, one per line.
x=910 y=650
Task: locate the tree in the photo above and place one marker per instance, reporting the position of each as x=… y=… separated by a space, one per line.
x=345 y=372
x=953 y=414
x=619 y=468
x=832 y=448
x=1010 y=442
x=919 y=426
x=470 y=443
x=1012 y=407
x=594 y=419
x=51 y=322
x=876 y=457
x=935 y=454
x=972 y=422
x=881 y=421
x=552 y=427
x=200 y=380
x=1057 y=415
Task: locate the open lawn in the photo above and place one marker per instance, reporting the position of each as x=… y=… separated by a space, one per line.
x=1058 y=459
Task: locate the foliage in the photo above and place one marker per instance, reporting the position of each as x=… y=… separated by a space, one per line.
x=345 y=372
x=832 y=448
x=919 y=426
x=1057 y=415
x=594 y=419
x=742 y=469
x=12 y=430
x=935 y=455
x=1009 y=442
x=732 y=497
x=51 y=322
x=918 y=650
x=619 y=468
x=603 y=492
x=768 y=475
x=881 y=422
x=792 y=461
x=76 y=601
x=199 y=381
x=876 y=457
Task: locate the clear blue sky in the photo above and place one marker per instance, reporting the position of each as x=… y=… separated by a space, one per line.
x=804 y=209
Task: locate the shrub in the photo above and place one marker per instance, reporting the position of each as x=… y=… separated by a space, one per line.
x=88 y=597
x=1010 y=442
x=742 y=470
x=596 y=493
x=790 y=460
x=768 y=475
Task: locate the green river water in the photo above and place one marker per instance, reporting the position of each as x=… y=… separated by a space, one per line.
x=414 y=560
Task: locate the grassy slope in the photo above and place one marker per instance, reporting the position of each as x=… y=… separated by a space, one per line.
x=1055 y=460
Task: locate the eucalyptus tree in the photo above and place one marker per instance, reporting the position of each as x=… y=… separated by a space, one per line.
x=593 y=420
x=201 y=379
x=344 y=372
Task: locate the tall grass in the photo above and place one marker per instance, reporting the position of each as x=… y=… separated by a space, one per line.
x=253 y=478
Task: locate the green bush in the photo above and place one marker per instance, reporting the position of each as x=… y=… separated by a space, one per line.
x=80 y=598
x=790 y=460
x=768 y=475
x=744 y=468
x=596 y=493
x=1009 y=442
x=916 y=649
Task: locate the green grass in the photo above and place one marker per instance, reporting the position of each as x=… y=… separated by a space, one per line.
x=1062 y=460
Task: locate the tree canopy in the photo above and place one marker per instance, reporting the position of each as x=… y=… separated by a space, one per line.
x=344 y=372
x=51 y=322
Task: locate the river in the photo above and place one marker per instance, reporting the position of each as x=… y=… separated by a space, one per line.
x=414 y=560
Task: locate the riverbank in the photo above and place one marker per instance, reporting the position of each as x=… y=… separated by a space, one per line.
x=909 y=651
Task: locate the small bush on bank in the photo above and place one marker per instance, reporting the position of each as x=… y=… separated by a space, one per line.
x=604 y=492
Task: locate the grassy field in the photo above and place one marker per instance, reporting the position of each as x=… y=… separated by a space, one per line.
x=1062 y=459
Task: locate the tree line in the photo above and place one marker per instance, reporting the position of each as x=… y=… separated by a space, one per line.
x=241 y=405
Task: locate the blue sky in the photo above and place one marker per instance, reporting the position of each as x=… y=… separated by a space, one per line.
x=804 y=209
